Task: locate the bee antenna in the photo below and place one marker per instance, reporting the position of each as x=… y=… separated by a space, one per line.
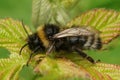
x=25 y=28
x=22 y=48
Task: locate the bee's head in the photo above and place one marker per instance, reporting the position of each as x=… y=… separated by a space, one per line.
x=34 y=42
x=50 y=30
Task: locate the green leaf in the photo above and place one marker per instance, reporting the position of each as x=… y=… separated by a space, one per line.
x=10 y=68
x=49 y=11
x=66 y=69
x=60 y=69
x=105 y=21
x=69 y=3
x=12 y=35
x=109 y=70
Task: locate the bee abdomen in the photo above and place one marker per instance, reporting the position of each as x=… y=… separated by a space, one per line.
x=89 y=42
x=93 y=42
x=97 y=43
x=75 y=40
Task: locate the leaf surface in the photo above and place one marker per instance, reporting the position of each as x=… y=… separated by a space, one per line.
x=10 y=68
x=12 y=35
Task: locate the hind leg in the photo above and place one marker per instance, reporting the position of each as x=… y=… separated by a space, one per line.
x=84 y=55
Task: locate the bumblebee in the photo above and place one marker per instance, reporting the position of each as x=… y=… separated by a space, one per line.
x=49 y=37
x=77 y=39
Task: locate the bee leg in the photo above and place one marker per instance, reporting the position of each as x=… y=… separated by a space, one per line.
x=22 y=48
x=50 y=49
x=32 y=55
x=29 y=58
x=84 y=55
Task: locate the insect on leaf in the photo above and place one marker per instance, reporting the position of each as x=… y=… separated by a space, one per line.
x=107 y=22
x=69 y=68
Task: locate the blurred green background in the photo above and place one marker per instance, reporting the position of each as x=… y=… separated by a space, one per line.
x=22 y=10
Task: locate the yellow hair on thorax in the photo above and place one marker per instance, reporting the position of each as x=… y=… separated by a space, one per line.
x=42 y=36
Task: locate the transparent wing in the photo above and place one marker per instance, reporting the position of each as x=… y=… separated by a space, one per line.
x=47 y=11
x=74 y=32
x=105 y=21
